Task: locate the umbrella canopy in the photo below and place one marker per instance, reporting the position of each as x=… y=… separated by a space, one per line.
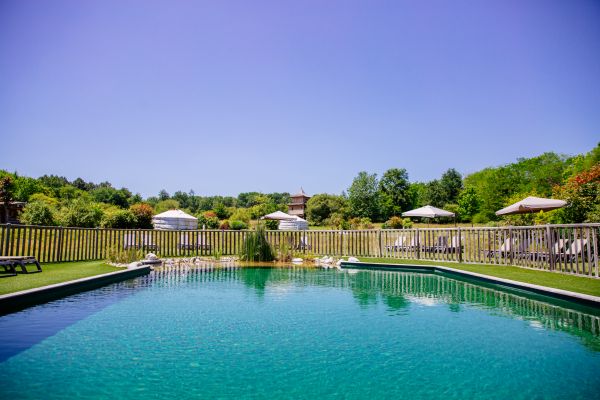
x=174 y=219
x=428 y=212
x=532 y=204
x=278 y=216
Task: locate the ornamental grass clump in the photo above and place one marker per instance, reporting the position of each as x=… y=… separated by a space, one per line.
x=256 y=247
x=124 y=256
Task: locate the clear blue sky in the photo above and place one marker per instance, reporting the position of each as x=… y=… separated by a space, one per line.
x=230 y=96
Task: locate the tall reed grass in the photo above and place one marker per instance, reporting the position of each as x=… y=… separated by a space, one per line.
x=256 y=247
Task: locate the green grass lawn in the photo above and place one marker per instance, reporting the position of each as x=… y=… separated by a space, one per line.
x=572 y=283
x=53 y=273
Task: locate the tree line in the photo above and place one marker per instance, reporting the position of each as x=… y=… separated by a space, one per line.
x=54 y=200
x=473 y=198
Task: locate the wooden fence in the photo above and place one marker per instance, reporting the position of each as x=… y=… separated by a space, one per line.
x=571 y=249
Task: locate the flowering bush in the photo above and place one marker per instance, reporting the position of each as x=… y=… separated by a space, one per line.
x=582 y=193
x=393 y=223
x=143 y=215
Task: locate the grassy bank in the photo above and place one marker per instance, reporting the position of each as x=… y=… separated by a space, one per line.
x=54 y=273
x=572 y=283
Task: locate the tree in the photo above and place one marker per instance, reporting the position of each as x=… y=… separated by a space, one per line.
x=279 y=198
x=182 y=197
x=321 y=206
x=6 y=193
x=451 y=184
x=417 y=192
x=363 y=196
x=163 y=195
x=394 y=192
x=53 y=182
x=468 y=204
x=221 y=211
x=25 y=187
x=83 y=185
x=247 y=199
x=111 y=195
x=166 y=205
x=435 y=194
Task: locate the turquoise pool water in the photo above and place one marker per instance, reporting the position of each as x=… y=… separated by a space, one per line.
x=297 y=333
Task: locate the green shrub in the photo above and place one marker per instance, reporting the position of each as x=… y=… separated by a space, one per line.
x=119 y=219
x=221 y=211
x=240 y=214
x=354 y=223
x=51 y=201
x=38 y=213
x=338 y=220
x=285 y=251
x=407 y=223
x=124 y=256
x=272 y=224
x=166 y=205
x=256 y=247
x=365 y=223
x=208 y=221
x=393 y=223
x=480 y=218
x=80 y=213
x=237 y=225
x=224 y=225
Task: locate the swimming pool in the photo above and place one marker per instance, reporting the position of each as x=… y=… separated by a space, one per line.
x=301 y=333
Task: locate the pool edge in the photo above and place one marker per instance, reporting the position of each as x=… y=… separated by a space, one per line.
x=16 y=301
x=544 y=290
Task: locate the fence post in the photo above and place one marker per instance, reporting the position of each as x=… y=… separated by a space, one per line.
x=418 y=244
x=460 y=256
x=379 y=249
x=60 y=241
x=550 y=241
x=7 y=239
x=511 y=245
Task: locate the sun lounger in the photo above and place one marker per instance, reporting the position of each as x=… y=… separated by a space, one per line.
x=455 y=245
x=303 y=245
x=413 y=245
x=129 y=241
x=146 y=242
x=440 y=245
x=575 y=250
x=187 y=242
x=398 y=244
x=9 y=268
x=20 y=261
x=505 y=248
x=559 y=248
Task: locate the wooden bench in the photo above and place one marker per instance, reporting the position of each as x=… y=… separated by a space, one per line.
x=19 y=261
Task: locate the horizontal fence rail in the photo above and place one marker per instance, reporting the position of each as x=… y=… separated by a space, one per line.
x=571 y=249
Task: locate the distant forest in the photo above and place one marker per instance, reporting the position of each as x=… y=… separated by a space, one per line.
x=54 y=200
